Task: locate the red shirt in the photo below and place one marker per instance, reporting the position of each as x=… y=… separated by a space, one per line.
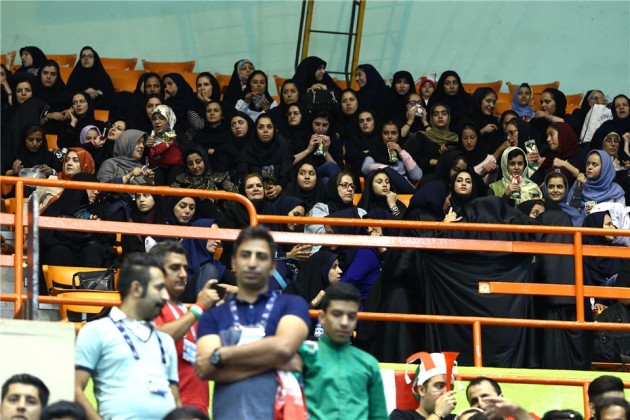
x=193 y=391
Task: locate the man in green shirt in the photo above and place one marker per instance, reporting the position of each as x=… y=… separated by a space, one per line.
x=341 y=381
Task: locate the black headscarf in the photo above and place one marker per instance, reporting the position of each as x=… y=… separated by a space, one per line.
x=304 y=76
x=279 y=113
x=213 y=137
x=334 y=202
x=95 y=77
x=476 y=155
x=375 y=93
x=459 y=201
x=427 y=203
x=38 y=59
x=370 y=200
x=490 y=141
x=382 y=214
x=399 y=102
x=617 y=124
x=42 y=156
x=142 y=80
x=346 y=253
x=226 y=156
x=56 y=96
x=457 y=104
x=234 y=90
x=183 y=99
x=248 y=89
x=313 y=275
x=198 y=106
x=170 y=202
x=281 y=206
x=561 y=101
x=299 y=136
x=315 y=195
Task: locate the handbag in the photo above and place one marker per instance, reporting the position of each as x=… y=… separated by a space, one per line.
x=95 y=280
x=320 y=97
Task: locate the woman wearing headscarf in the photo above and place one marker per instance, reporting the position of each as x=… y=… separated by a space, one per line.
x=69 y=248
x=179 y=96
x=388 y=155
x=425 y=147
x=596 y=185
x=126 y=166
x=484 y=163
x=450 y=91
x=402 y=86
x=481 y=114
x=378 y=194
x=598 y=270
x=592 y=97
x=165 y=156
x=256 y=99
x=555 y=189
x=75 y=161
x=553 y=109
x=515 y=183
x=50 y=88
x=360 y=140
x=307 y=185
x=429 y=202
x=208 y=90
x=267 y=155
x=199 y=175
x=33 y=152
x=289 y=95
x=296 y=128
x=145 y=208
x=564 y=153
x=90 y=76
x=215 y=131
x=311 y=75
x=81 y=115
x=522 y=102
x=238 y=82
x=131 y=107
x=202 y=266
x=226 y=156
x=178 y=211
x=612 y=145
x=464 y=189
x=620 y=122
x=373 y=92
x=32 y=59
x=317 y=273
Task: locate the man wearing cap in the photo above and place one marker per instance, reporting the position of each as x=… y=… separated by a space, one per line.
x=340 y=380
x=430 y=387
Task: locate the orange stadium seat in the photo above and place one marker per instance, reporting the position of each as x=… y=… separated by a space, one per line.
x=191 y=79
x=535 y=88
x=575 y=99
x=224 y=81
x=472 y=87
x=279 y=81
x=60 y=277
x=64 y=72
x=77 y=313
x=51 y=139
x=168 y=67
x=119 y=63
x=504 y=97
x=502 y=107
x=64 y=60
x=101 y=115
x=124 y=80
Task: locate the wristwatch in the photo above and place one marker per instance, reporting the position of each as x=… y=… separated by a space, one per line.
x=215 y=358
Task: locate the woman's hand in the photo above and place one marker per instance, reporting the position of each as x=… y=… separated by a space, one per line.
x=317 y=299
x=489 y=167
x=202 y=98
x=394 y=146
x=273 y=191
x=151 y=142
x=47 y=170
x=248 y=97
x=313 y=143
x=73 y=119
x=265 y=104
x=300 y=252
x=17 y=166
x=99 y=141
x=559 y=163
x=92 y=92
x=391 y=198
x=533 y=157
x=325 y=140
x=489 y=128
x=512 y=188
x=580 y=180
x=443 y=149
x=451 y=216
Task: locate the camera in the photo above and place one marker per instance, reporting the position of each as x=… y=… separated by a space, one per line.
x=419 y=111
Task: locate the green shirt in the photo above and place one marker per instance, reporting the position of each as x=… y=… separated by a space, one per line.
x=342 y=382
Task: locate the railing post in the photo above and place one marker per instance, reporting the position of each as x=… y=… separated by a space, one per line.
x=579 y=277
x=19 y=246
x=477 y=355
x=587 y=408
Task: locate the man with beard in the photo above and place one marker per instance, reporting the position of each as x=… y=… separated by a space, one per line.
x=133 y=366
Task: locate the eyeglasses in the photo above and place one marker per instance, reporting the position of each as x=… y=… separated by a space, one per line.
x=346 y=185
x=413 y=102
x=87 y=56
x=293 y=113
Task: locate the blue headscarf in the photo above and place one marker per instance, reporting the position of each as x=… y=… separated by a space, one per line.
x=197 y=254
x=603 y=188
x=577 y=218
x=522 y=110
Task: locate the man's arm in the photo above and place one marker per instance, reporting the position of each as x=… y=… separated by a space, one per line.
x=376 y=396
x=244 y=361
x=81 y=378
x=178 y=328
x=175 y=391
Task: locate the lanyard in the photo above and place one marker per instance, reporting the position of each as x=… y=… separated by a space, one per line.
x=176 y=313
x=264 y=317
x=121 y=328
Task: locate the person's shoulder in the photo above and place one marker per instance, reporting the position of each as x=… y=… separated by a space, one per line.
x=398 y=414
x=292 y=301
x=365 y=356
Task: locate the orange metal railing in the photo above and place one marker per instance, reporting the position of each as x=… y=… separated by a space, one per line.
x=576 y=249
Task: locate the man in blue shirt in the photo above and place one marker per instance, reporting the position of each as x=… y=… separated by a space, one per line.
x=242 y=343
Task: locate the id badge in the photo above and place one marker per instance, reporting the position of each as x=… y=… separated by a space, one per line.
x=251 y=335
x=190 y=351
x=157 y=382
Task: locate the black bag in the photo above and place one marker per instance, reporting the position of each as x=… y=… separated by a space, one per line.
x=320 y=98
x=95 y=280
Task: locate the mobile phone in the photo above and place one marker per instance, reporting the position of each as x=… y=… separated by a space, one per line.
x=220 y=290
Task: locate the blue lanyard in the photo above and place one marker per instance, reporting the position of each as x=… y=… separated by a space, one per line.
x=264 y=317
x=121 y=328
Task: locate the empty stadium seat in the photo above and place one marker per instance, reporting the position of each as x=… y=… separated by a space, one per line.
x=279 y=81
x=124 y=80
x=101 y=115
x=575 y=99
x=64 y=60
x=79 y=313
x=168 y=67
x=119 y=63
x=224 y=81
x=64 y=72
x=51 y=139
x=191 y=79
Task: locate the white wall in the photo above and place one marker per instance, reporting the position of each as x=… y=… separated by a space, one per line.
x=584 y=44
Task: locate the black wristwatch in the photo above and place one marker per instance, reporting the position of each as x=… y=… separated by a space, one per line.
x=215 y=358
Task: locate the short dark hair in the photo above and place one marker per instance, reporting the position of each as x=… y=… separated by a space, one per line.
x=480 y=379
x=27 y=379
x=62 y=409
x=340 y=291
x=562 y=415
x=186 y=413
x=256 y=232
x=135 y=266
x=167 y=247
x=601 y=385
x=604 y=403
